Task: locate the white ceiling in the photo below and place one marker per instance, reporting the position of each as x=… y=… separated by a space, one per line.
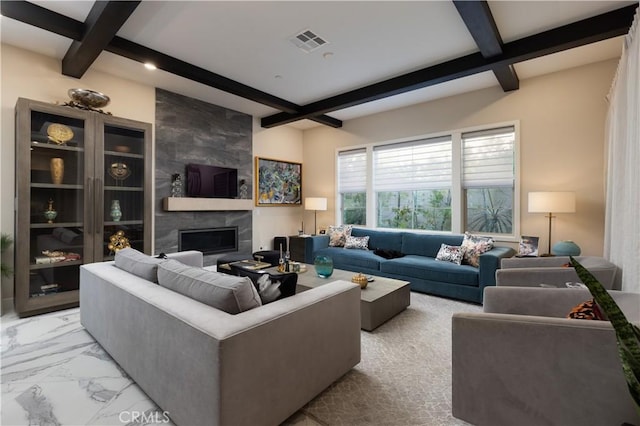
x=369 y=41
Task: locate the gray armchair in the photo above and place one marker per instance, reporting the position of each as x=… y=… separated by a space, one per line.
x=522 y=363
x=533 y=271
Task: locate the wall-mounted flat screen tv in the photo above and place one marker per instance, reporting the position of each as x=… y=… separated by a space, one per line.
x=211 y=181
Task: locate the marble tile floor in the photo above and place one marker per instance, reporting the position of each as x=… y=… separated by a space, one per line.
x=54 y=373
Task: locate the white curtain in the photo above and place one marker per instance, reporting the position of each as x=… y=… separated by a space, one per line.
x=622 y=218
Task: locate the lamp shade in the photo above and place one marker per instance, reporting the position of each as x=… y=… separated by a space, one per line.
x=315 y=203
x=552 y=202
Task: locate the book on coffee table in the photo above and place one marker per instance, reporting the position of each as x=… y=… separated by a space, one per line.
x=251 y=264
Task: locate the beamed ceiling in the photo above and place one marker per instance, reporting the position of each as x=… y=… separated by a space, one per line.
x=377 y=55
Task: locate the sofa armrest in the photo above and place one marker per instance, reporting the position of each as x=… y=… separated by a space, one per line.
x=536 y=370
x=490 y=263
x=313 y=244
x=189 y=257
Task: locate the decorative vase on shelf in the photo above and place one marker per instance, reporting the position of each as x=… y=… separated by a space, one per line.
x=56 y=165
x=176 y=185
x=243 y=191
x=566 y=248
x=50 y=214
x=324 y=266
x=116 y=213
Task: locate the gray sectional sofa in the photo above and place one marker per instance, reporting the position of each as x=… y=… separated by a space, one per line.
x=418 y=265
x=204 y=366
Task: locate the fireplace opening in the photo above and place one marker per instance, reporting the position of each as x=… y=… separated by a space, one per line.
x=209 y=241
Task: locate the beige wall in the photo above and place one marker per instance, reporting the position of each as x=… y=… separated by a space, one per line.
x=561 y=117
x=280 y=143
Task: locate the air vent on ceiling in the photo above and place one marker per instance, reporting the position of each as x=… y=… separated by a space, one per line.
x=308 y=41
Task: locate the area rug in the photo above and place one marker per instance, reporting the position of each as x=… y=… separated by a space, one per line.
x=54 y=373
x=404 y=377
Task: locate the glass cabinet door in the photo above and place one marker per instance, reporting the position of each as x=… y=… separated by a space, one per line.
x=51 y=177
x=123 y=173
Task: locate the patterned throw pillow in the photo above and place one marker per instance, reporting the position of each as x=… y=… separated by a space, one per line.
x=451 y=254
x=361 y=243
x=338 y=235
x=588 y=310
x=474 y=246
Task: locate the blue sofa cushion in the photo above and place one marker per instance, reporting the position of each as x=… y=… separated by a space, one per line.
x=381 y=239
x=364 y=259
x=427 y=244
x=427 y=268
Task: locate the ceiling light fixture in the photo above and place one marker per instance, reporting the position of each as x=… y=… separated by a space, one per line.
x=150 y=66
x=327 y=55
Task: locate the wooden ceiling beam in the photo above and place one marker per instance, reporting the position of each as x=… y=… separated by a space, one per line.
x=586 y=31
x=102 y=24
x=479 y=20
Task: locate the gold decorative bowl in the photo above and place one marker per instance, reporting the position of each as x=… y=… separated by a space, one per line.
x=59 y=133
x=361 y=280
x=89 y=98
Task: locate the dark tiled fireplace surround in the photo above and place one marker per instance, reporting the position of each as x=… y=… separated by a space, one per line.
x=191 y=131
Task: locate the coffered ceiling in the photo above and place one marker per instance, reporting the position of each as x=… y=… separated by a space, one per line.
x=376 y=55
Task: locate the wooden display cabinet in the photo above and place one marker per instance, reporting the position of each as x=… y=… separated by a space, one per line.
x=71 y=165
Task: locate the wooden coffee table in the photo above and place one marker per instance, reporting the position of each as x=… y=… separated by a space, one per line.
x=383 y=298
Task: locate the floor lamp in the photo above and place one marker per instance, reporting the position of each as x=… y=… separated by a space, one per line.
x=552 y=202
x=315 y=203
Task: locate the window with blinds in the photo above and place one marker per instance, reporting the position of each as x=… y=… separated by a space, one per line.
x=352 y=186
x=463 y=181
x=412 y=184
x=488 y=180
x=413 y=165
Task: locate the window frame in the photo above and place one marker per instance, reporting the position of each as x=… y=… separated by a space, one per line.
x=458 y=204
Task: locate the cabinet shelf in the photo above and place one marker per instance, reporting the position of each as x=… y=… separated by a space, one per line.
x=45 y=145
x=124 y=222
x=123 y=154
x=56 y=225
x=61 y=264
x=56 y=186
x=124 y=188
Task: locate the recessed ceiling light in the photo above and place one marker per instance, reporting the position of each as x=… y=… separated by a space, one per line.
x=277 y=76
x=327 y=55
x=150 y=66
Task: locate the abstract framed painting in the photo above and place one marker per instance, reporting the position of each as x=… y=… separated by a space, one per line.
x=278 y=183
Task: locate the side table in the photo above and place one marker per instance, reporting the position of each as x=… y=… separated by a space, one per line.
x=297 y=247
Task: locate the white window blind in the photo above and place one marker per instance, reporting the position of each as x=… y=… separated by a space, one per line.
x=488 y=158
x=415 y=165
x=352 y=171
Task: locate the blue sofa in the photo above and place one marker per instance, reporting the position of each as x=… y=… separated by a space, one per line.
x=418 y=266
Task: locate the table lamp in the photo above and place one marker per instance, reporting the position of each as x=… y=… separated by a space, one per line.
x=552 y=202
x=315 y=203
